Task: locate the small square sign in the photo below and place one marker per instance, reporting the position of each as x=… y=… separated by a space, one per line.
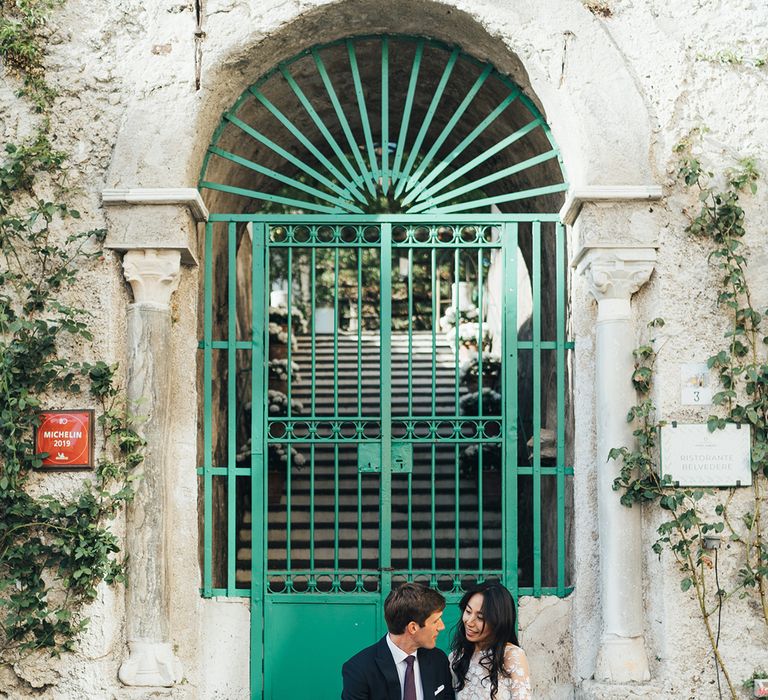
x=696 y=389
x=693 y=456
x=67 y=438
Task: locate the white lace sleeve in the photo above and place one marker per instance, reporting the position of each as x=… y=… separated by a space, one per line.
x=519 y=681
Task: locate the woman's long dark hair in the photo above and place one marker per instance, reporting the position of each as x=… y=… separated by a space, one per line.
x=498 y=614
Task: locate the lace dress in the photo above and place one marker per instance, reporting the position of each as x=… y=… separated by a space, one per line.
x=517 y=686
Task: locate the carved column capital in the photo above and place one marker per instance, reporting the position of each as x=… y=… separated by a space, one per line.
x=153 y=274
x=617 y=273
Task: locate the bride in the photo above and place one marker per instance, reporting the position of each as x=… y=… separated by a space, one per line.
x=486 y=660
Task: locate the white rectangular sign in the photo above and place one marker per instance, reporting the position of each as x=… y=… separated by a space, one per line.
x=693 y=456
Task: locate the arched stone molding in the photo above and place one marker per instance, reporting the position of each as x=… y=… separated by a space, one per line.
x=556 y=50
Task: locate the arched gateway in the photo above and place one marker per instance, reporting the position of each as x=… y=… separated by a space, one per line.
x=383 y=347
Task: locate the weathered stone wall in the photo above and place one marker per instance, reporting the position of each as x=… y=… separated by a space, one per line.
x=619 y=89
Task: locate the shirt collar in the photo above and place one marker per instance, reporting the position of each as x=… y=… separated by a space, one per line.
x=397 y=653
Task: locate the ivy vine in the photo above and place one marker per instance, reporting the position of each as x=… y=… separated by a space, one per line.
x=55 y=550
x=695 y=517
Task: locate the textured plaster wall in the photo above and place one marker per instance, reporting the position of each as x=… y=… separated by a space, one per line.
x=618 y=91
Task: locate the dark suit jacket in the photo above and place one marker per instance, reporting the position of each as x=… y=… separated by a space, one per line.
x=371 y=675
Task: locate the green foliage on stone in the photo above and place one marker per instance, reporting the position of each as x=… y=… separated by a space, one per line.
x=22 y=23
x=55 y=550
x=690 y=515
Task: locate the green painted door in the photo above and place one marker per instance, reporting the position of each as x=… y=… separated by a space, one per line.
x=381 y=418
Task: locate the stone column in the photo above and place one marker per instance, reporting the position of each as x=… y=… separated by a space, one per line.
x=153 y=275
x=614 y=275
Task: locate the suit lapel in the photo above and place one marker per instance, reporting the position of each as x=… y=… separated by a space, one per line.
x=386 y=665
x=427 y=674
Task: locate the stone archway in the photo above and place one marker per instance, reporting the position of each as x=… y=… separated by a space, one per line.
x=599 y=99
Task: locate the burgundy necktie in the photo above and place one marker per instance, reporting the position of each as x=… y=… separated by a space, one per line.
x=409 y=692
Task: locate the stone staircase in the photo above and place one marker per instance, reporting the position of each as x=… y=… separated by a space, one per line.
x=348 y=503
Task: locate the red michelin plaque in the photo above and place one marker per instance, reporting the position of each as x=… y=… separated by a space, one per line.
x=67 y=437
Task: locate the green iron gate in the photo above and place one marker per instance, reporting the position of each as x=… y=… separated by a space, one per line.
x=419 y=435
x=399 y=411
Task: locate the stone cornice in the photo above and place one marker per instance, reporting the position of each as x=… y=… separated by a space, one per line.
x=187 y=196
x=578 y=196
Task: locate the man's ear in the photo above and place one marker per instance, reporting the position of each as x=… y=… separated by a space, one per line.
x=412 y=627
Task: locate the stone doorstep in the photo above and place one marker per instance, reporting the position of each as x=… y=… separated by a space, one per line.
x=595 y=690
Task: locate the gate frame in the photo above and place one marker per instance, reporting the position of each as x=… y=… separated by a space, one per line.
x=509 y=240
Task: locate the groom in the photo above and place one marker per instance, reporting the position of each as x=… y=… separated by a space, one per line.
x=404 y=665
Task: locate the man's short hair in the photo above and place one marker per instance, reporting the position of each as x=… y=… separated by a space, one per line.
x=411 y=602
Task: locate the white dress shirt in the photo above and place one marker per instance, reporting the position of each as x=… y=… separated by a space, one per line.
x=399 y=657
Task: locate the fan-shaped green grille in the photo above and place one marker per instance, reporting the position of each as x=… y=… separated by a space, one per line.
x=384 y=124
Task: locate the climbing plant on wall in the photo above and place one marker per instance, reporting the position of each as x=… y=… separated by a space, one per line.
x=55 y=549
x=693 y=514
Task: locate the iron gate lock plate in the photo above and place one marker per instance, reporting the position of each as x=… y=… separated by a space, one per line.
x=369 y=457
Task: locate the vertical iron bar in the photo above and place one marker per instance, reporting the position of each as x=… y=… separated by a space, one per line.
x=336 y=333
x=336 y=411
x=359 y=402
x=410 y=521
x=410 y=332
x=360 y=332
x=410 y=401
x=289 y=447
x=231 y=407
x=509 y=406
x=208 y=414
x=435 y=288
x=312 y=391
x=536 y=328
x=433 y=534
x=456 y=508
x=456 y=368
x=480 y=404
x=259 y=331
x=359 y=522
x=433 y=268
x=457 y=320
x=560 y=369
x=385 y=551
x=312 y=508
x=335 y=508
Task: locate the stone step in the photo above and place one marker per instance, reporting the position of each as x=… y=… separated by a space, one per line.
x=444 y=520
x=420 y=537
x=349 y=554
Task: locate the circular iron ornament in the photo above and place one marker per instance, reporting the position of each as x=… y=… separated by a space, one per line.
x=278 y=234
x=301 y=234
x=372 y=234
x=383 y=123
x=422 y=429
x=301 y=430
